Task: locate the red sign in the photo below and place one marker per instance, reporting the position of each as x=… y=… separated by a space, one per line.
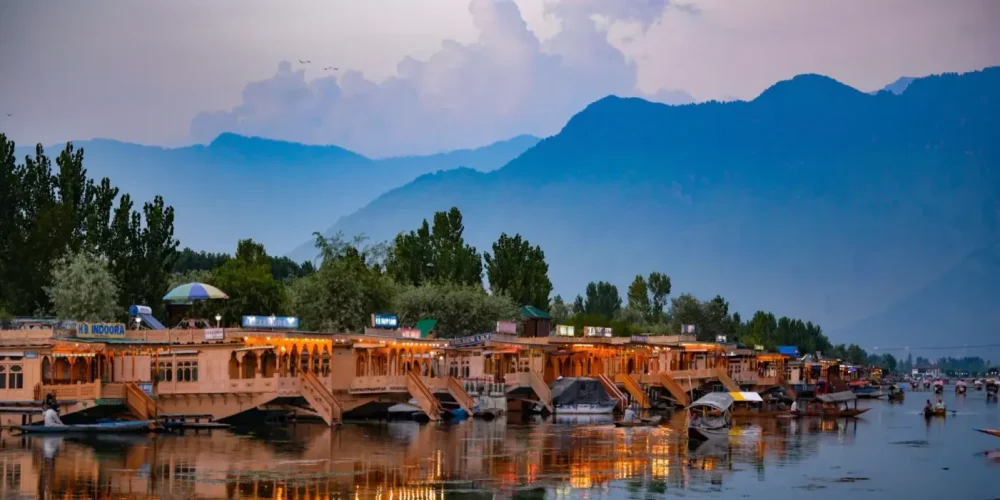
x=409 y=333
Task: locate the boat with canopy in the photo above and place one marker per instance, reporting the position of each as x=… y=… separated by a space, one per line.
x=752 y=404
x=709 y=417
x=835 y=405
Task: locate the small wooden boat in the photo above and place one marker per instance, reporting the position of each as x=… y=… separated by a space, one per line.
x=105 y=427
x=961 y=387
x=644 y=422
x=895 y=393
x=709 y=417
x=992 y=432
x=935 y=412
x=832 y=406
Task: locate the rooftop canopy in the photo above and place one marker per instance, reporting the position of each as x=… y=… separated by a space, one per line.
x=719 y=400
x=534 y=312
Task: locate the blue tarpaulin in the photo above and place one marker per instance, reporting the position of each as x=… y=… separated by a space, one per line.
x=788 y=350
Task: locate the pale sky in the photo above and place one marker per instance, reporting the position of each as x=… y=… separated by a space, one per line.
x=423 y=76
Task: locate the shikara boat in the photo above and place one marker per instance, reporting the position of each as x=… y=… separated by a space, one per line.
x=752 y=405
x=709 y=417
x=105 y=427
x=961 y=387
x=895 y=393
x=832 y=406
x=867 y=389
x=935 y=412
x=992 y=432
x=644 y=422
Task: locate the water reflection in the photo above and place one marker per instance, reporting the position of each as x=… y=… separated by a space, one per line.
x=472 y=459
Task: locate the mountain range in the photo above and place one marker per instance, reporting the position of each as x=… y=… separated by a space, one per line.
x=274 y=191
x=815 y=200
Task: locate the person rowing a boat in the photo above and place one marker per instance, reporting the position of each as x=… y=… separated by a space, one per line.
x=631 y=415
x=928 y=408
x=940 y=405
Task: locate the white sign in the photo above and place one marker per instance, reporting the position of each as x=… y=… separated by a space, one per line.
x=215 y=334
x=506 y=327
x=597 y=331
x=565 y=330
x=687 y=328
x=721 y=339
x=409 y=333
x=640 y=339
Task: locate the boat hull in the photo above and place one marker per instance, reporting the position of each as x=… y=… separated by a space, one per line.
x=852 y=413
x=113 y=427
x=992 y=432
x=936 y=413
x=703 y=434
x=743 y=413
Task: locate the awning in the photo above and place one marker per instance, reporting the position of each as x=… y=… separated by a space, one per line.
x=73 y=354
x=719 y=400
x=179 y=353
x=358 y=345
x=746 y=396
x=254 y=348
x=12 y=353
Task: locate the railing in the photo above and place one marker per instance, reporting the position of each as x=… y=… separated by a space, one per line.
x=325 y=403
x=612 y=388
x=78 y=391
x=668 y=382
x=633 y=387
x=463 y=398
x=541 y=389
x=425 y=398
x=139 y=403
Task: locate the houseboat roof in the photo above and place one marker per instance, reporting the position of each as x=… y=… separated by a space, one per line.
x=719 y=400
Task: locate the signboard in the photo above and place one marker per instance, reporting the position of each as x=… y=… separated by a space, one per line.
x=409 y=333
x=30 y=354
x=758 y=347
x=270 y=322
x=100 y=330
x=470 y=340
x=565 y=330
x=687 y=328
x=385 y=321
x=721 y=339
x=215 y=334
x=146 y=387
x=597 y=331
x=640 y=339
x=506 y=327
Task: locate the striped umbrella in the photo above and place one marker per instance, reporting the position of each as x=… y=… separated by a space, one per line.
x=194 y=291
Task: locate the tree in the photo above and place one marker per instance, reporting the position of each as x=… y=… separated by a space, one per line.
x=559 y=310
x=638 y=297
x=577 y=305
x=659 y=286
x=435 y=253
x=248 y=281
x=717 y=319
x=460 y=309
x=602 y=298
x=686 y=309
x=519 y=271
x=348 y=287
x=83 y=288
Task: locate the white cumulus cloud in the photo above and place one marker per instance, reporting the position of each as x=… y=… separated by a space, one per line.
x=507 y=82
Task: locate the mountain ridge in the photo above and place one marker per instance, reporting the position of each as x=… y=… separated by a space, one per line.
x=772 y=191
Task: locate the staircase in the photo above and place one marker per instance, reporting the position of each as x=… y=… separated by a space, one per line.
x=542 y=390
x=614 y=391
x=726 y=380
x=139 y=403
x=322 y=400
x=683 y=397
x=425 y=398
x=633 y=388
x=467 y=402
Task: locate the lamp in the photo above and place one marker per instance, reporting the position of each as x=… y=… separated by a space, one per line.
x=138 y=322
x=218 y=318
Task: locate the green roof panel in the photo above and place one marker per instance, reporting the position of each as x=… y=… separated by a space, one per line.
x=534 y=312
x=425 y=326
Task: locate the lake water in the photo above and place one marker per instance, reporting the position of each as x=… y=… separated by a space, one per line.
x=892 y=450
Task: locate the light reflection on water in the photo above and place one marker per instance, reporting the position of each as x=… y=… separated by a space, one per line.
x=891 y=451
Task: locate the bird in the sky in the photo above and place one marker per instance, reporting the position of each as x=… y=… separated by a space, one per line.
x=304 y=62
x=8 y=114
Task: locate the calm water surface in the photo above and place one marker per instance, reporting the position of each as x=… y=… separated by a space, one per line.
x=891 y=451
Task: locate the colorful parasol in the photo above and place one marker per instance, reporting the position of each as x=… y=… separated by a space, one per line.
x=194 y=291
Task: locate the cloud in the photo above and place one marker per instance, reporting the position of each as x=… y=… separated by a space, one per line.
x=505 y=83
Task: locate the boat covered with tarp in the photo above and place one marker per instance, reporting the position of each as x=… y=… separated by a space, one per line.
x=709 y=417
x=581 y=396
x=834 y=405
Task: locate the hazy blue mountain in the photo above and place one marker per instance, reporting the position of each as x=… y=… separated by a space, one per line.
x=274 y=191
x=897 y=87
x=814 y=199
x=958 y=308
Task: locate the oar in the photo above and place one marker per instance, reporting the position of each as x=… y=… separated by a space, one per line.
x=992 y=432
